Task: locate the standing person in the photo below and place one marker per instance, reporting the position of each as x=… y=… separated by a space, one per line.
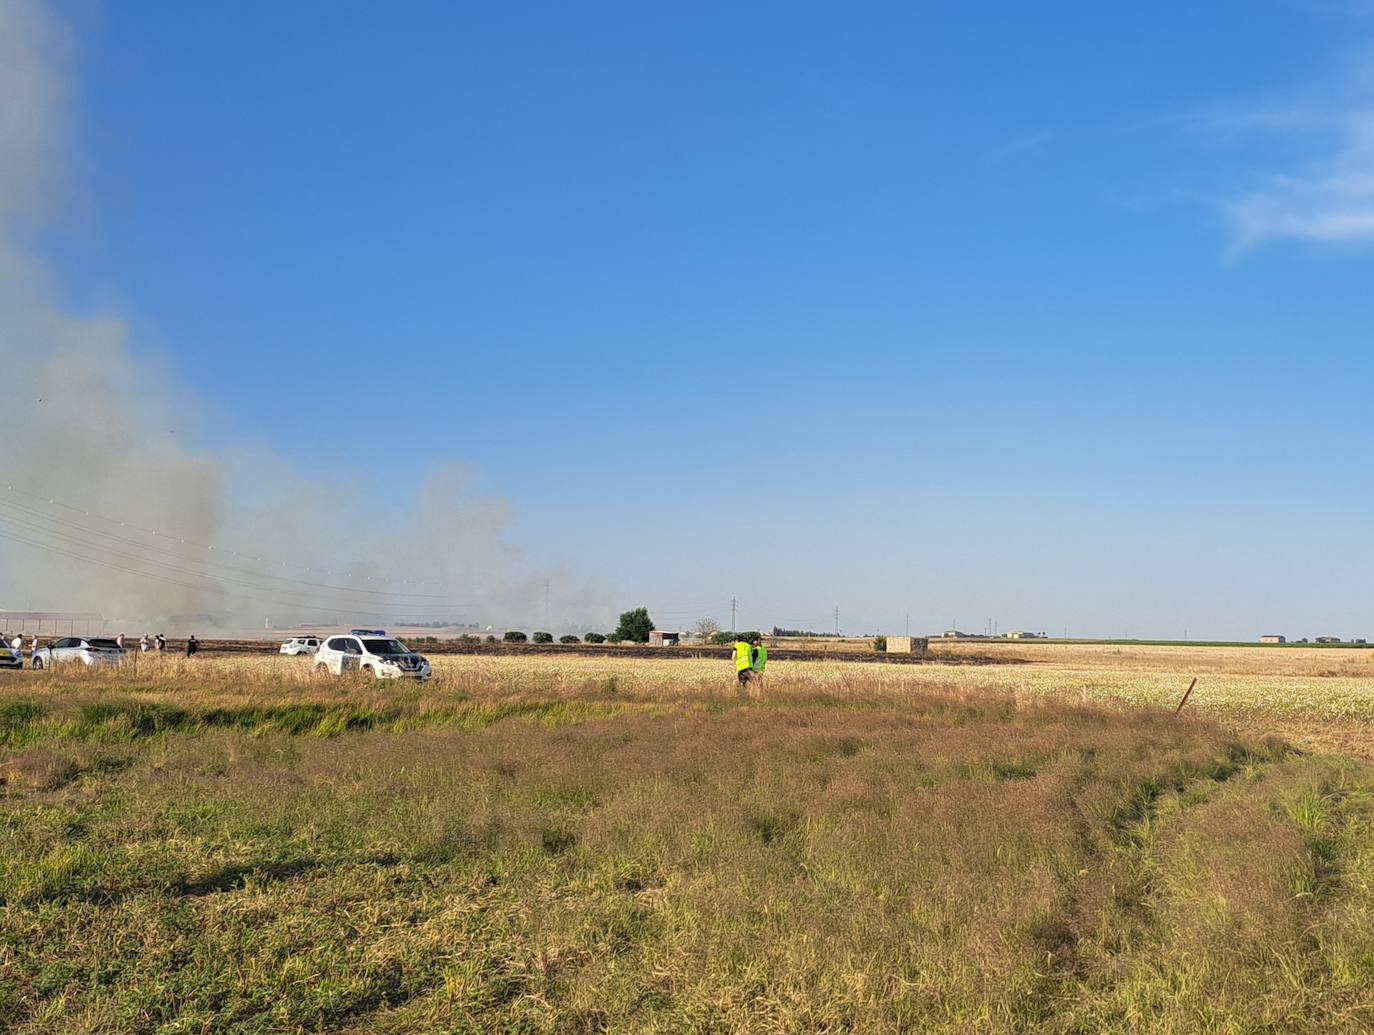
x=192 y=645
x=18 y=642
x=745 y=655
x=143 y=644
x=760 y=658
x=119 y=641
x=33 y=649
x=161 y=642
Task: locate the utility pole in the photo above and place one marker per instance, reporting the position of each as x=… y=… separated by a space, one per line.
x=732 y=615
x=546 y=603
x=837 y=622
x=908 y=623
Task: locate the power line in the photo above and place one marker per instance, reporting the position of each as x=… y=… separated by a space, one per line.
x=186 y=585
x=164 y=535
x=144 y=562
x=194 y=560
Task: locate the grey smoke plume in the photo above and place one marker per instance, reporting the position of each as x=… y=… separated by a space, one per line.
x=107 y=503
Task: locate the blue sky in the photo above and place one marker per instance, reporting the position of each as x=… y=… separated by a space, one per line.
x=1051 y=314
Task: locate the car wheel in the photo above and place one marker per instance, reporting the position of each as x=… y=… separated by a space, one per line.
x=36 y=663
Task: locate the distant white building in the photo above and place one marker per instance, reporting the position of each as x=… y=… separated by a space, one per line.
x=1272 y=638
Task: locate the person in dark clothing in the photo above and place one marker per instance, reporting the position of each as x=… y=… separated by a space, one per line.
x=192 y=645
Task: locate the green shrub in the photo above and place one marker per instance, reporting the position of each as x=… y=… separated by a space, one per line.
x=595 y=638
x=568 y=638
x=880 y=643
x=491 y=639
x=543 y=637
x=514 y=636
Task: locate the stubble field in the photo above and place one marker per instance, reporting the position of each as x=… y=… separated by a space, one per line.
x=570 y=844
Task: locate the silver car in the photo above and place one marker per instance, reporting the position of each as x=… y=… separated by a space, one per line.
x=300 y=645
x=71 y=649
x=10 y=658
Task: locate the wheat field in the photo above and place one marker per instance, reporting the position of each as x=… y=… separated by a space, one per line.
x=562 y=844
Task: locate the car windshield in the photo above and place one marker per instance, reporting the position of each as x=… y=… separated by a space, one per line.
x=385 y=647
x=103 y=644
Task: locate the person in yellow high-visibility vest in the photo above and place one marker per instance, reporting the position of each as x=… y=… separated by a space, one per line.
x=747 y=660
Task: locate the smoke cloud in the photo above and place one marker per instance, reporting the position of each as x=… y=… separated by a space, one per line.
x=107 y=503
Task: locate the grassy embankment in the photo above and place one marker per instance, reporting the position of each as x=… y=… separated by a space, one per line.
x=570 y=845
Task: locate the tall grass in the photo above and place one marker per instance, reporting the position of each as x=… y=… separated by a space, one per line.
x=639 y=848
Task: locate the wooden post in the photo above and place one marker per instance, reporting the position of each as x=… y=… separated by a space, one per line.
x=1187 y=693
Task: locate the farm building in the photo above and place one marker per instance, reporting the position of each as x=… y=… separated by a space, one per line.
x=660 y=638
x=906 y=644
x=1327 y=639
x=1273 y=638
x=1019 y=634
x=954 y=634
x=52 y=623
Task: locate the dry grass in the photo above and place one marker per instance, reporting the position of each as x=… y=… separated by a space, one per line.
x=604 y=845
x=1198 y=660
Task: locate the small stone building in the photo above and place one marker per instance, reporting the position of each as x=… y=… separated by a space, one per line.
x=907 y=644
x=662 y=638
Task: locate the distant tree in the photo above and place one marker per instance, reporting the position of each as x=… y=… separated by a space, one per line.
x=491 y=639
x=467 y=639
x=543 y=637
x=634 y=626
x=724 y=639
x=514 y=636
x=595 y=638
x=880 y=643
x=705 y=629
x=568 y=638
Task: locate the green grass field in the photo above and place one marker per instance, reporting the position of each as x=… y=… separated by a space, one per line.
x=568 y=846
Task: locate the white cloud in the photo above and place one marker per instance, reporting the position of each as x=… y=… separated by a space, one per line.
x=1326 y=195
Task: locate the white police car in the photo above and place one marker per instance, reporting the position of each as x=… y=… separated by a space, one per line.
x=373 y=652
x=300 y=645
x=10 y=658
